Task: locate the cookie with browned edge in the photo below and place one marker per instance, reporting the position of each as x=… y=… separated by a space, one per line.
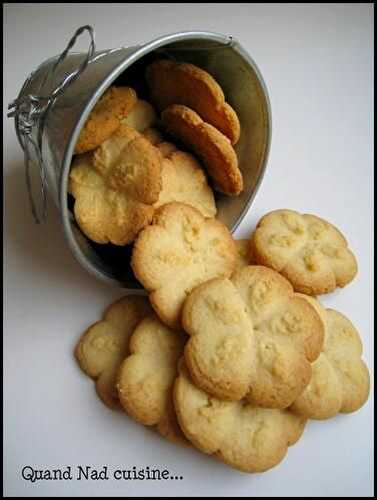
x=177 y=252
x=211 y=146
x=251 y=337
x=242 y=435
x=172 y=82
x=309 y=251
x=105 y=117
x=146 y=377
x=105 y=344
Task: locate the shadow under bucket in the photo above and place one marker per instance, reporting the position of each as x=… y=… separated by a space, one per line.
x=59 y=127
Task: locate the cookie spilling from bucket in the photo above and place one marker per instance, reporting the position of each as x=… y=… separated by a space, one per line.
x=137 y=161
x=223 y=356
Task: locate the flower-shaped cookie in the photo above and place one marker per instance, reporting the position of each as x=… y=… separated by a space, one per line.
x=310 y=252
x=251 y=337
x=242 y=435
x=146 y=377
x=104 y=345
x=115 y=187
x=340 y=378
x=177 y=252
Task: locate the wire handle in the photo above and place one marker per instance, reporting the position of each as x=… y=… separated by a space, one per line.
x=30 y=112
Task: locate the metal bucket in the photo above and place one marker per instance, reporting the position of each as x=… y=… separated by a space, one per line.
x=48 y=125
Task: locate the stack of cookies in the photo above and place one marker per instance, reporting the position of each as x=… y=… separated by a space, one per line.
x=124 y=167
x=230 y=352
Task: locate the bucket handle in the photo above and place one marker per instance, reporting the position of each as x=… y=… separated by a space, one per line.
x=30 y=113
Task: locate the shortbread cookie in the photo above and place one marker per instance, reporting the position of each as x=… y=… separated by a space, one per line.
x=103 y=214
x=243 y=436
x=141 y=117
x=104 y=345
x=184 y=181
x=180 y=250
x=104 y=119
x=115 y=187
x=310 y=252
x=180 y=83
x=251 y=337
x=131 y=164
x=340 y=378
x=210 y=145
x=146 y=377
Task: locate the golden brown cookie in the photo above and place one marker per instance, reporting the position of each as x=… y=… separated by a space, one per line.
x=310 y=252
x=180 y=250
x=251 y=337
x=184 y=181
x=105 y=117
x=130 y=164
x=243 y=436
x=180 y=83
x=104 y=345
x=115 y=187
x=210 y=145
x=146 y=377
x=340 y=378
x=141 y=117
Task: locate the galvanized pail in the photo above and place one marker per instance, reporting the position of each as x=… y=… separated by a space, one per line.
x=57 y=97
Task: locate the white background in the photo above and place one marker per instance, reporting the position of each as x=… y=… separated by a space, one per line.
x=317 y=61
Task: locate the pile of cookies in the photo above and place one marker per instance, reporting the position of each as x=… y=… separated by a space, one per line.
x=124 y=168
x=230 y=352
x=227 y=353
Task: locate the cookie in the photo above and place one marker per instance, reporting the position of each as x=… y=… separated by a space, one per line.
x=146 y=377
x=209 y=144
x=340 y=378
x=184 y=181
x=141 y=117
x=177 y=252
x=130 y=164
x=104 y=345
x=310 y=252
x=103 y=214
x=242 y=435
x=105 y=117
x=251 y=337
x=180 y=83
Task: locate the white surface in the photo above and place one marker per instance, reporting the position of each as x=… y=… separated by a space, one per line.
x=317 y=61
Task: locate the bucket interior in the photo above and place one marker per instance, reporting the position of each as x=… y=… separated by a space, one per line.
x=244 y=91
